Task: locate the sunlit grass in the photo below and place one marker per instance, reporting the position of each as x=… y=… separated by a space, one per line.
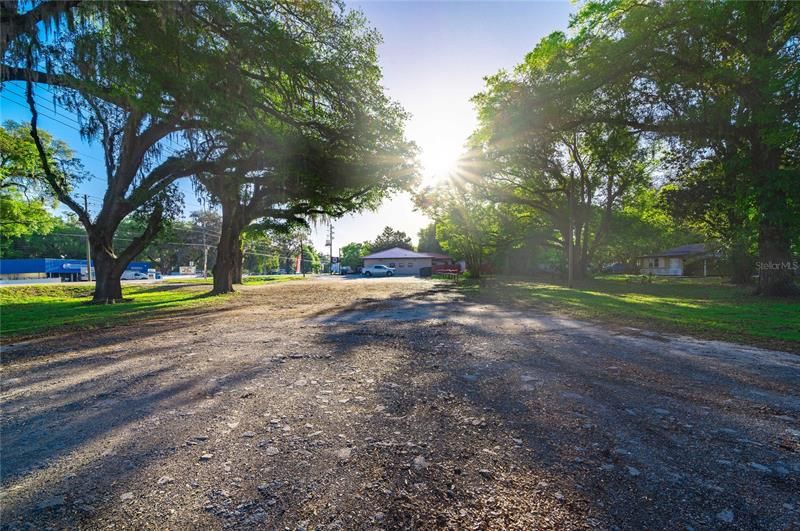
x=703 y=307
x=28 y=310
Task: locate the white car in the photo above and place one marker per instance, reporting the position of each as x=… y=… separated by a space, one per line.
x=134 y=275
x=378 y=271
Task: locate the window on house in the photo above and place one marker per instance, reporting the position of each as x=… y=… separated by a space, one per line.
x=391 y=264
x=410 y=264
x=400 y=265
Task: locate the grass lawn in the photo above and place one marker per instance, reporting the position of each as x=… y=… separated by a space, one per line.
x=29 y=310
x=706 y=307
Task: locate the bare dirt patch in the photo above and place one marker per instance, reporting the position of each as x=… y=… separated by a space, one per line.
x=353 y=404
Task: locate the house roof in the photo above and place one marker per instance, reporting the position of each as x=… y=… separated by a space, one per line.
x=399 y=252
x=683 y=250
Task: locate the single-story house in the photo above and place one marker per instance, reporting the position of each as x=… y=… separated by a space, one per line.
x=407 y=262
x=674 y=262
x=64 y=268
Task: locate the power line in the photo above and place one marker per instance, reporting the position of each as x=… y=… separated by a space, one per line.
x=75 y=122
x=184 y=244
x=165 y=151
x=25 y=106
x=35 y=95
x=86 y=155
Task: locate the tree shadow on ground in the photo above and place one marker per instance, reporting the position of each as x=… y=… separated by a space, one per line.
x=61 y=339
x=618 y=433
x=90 y=437
x=521 y=421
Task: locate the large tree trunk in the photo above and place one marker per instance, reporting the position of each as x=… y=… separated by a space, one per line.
x=581 y=268
x=472 y=260
x=108 y=275
x=238 y=261
x=741 y=264
x=228 y=248
x=775 y=265
x=109 y=266
x=223 y=267
x=773 y=187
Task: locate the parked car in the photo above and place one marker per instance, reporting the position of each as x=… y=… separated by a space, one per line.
x=134 y=275
x=378 y=271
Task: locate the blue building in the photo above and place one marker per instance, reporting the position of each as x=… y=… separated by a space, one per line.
x=67 y=269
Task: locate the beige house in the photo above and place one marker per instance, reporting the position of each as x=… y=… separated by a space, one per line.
x=407 y=262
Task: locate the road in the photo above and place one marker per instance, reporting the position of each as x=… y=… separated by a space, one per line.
x=395 y=403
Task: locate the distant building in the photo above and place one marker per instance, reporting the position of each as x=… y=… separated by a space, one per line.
x=407 y=262
x=675 y=262
x=66 y=269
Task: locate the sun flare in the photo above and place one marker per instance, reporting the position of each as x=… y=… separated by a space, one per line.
x=439 y=162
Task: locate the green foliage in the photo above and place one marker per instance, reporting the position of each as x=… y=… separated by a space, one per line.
x=720 y=81
x=643 y=227
x=556 y=171
x=390 y=238
x=353 y=254
x=258 y=257
x=179 y=243
x=20 y=216
x=278 y=110
x=467 y=225
x=698 y=99
x=427 y=240
x=25 y=198
x=64 y=237
x=311 y=262
x=29 y=310
x=284 y=244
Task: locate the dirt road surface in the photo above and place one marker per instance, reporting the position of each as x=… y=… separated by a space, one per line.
x=394 y=404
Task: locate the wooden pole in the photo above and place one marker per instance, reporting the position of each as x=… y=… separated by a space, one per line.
x=88 y=244
x=205 y=254
x=330 y=247
x=569 y=232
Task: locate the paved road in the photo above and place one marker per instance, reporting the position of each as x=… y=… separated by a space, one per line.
x=396 y=403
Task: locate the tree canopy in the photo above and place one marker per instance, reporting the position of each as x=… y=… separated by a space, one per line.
x=390 y=238
x=25 y=197
x=251 y=93
x=719 y=82
x=690 y=108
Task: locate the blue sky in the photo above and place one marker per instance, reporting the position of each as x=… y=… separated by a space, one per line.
x=434 y=57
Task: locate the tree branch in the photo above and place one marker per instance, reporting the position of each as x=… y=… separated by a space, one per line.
x=51 y=178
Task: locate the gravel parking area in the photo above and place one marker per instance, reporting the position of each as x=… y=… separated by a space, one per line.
x=396 y=404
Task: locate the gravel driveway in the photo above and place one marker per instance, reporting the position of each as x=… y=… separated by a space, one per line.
x=395 y=403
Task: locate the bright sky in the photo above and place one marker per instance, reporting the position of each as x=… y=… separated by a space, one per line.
x=434 y=57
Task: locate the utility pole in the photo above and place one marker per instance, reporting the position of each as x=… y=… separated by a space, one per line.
x=205 y=253
x=88 y=244
x=302 y=267
x=330 y=247
x=569 y=233
x=205 y=243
